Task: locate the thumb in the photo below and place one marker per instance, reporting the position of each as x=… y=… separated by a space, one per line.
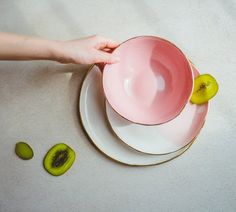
x=104 y=57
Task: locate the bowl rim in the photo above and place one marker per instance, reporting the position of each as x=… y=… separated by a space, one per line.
x=184 y=56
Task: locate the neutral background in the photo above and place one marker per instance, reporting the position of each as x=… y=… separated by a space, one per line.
x=38 y=104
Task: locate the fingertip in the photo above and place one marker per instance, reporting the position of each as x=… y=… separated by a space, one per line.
x=104 y=57
x=112 y=59
x=115 y=59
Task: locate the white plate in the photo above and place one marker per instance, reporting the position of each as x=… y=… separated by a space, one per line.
x=93 y=118
x=160 y=139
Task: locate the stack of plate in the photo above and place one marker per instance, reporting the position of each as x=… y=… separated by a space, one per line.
x=131 y=143
x=135 y=143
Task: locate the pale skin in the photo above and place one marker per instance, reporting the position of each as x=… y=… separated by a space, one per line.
x=89 y=50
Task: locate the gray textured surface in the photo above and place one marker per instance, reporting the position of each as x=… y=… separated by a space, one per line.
x=38 y=104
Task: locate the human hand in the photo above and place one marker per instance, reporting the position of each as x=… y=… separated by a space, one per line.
x=94 y=49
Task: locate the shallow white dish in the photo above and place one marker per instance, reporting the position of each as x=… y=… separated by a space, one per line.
x=164 y=138
x=94 y=121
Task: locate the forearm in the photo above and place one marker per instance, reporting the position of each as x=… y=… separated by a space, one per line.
x=93 y=49
x=17 y=47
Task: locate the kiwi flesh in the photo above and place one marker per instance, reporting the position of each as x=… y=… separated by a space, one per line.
x=59 y=159
x=24 y=151
x=205 y=88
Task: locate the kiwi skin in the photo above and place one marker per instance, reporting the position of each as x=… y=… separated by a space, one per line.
x=59 y=159
x=24 y=151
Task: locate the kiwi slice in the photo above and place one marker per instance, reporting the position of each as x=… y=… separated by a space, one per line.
x=205 y=88
x=24 y=151
x=59 y=159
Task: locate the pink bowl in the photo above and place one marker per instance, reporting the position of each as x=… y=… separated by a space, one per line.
x=152 y=82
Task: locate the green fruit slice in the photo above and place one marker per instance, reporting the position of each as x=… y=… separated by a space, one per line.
x=205 y=88
x=24 y=151
x=59 y=159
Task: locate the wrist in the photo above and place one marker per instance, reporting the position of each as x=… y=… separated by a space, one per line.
x=59 y=52
x=55 y=50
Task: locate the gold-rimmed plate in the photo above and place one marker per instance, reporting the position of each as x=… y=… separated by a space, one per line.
x=93 y=119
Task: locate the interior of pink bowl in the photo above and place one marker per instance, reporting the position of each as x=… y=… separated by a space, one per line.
x=152 y=82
